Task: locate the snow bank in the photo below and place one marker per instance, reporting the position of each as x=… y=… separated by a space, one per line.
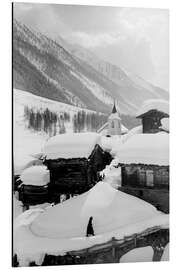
x=107 y=143
x=154 y=104
x=165 y=124
x=132 y=132
x=62 y=228
x=36 y=176
x=144 y=254
x=104 y=129
x=76 y=145
x=165 y=256
x=144 y=149
x=112 y=175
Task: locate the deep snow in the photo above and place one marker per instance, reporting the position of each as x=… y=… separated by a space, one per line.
x=75 y=145
x=62 y=228
x=144 y=149
x=36 y=175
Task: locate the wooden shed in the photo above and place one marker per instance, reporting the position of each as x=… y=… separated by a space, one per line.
x=151 y=114
x=144 y=161
x=33 y=188
x=74 y=162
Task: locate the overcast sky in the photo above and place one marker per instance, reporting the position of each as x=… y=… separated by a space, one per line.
x=132 y=38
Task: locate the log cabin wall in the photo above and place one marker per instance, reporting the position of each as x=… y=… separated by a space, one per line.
x=151 y=121
x=147 y=182
x=77 y=175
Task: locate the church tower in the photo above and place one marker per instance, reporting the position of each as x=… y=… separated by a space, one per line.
x=114 y=123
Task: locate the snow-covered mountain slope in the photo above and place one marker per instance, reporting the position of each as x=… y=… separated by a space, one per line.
x=120 y=76
x=51 y=69
x=26 y=141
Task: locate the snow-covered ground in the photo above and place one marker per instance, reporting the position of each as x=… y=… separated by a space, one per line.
x=62 y=228
x=26 y=142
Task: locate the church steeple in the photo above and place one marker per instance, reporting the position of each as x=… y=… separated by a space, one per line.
x=114 y=122
x=114 y=108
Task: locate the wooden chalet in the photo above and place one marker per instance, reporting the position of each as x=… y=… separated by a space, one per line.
x=75 y=164
x=144 y=161
x=151 y=114
x=33 y=186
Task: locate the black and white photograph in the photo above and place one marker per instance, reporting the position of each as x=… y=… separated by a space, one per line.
x=90 y=90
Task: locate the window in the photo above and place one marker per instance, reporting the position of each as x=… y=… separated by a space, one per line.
x=112 y=124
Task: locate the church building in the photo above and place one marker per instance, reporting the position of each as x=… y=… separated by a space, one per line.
x=114 y=125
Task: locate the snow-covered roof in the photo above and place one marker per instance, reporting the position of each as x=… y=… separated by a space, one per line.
x=154 y=104
x=144 y=149
x=71 y=145
x=36 y=176
x=103 y=130
x=62 y=228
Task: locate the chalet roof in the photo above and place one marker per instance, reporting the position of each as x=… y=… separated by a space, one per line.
x=62 y=228
x=159 y=105
x=144 y=149
x=35 y=176
x=71 y=145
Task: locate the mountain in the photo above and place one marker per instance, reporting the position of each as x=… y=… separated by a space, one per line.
x=129 y=83
x=57 y=70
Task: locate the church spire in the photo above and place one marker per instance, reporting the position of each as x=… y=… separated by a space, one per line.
x=114 y=108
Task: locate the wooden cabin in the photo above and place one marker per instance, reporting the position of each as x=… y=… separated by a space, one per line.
x=144 y=162
x=74 y=162
x=33 y=186
x=151 y=113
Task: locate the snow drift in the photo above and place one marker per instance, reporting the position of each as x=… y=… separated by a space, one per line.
x=62 y=228
x=75 y=145
x=145 y=149
x=35 y=176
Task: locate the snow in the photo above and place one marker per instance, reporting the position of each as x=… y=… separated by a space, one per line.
x=154 y=104
x=115 y=116
x=144 y=254
x=36 y=176
x=165 y=124
x=112 y=175
x=98 y=91
x=108 y=142
x=17 y=207
x=104 y=129
x=165 y=256
x=77 y=145
x=145 y=149
x=62 y=228
x=132 y=132
x=27 y=143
